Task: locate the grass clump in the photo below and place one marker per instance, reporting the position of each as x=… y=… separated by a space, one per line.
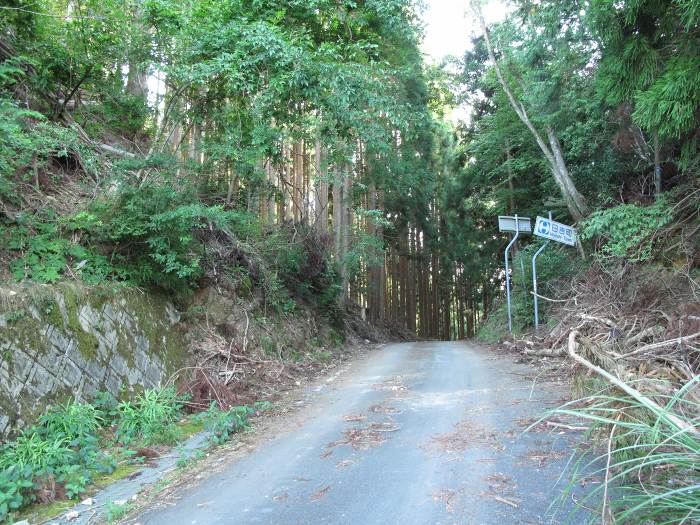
x=222 y=424
x=151 y=417
x=651 y=465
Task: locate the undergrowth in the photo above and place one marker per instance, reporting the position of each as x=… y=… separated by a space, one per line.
x=649 y=467
x=555 y=266
x=73 y=444
x=159 y=233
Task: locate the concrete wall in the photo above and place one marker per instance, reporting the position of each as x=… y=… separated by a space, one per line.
x=68 y=341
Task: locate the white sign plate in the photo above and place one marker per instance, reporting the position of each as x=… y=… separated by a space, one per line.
x=555 y=231
x=507 y=224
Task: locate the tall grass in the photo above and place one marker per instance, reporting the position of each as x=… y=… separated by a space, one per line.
x=651 y=464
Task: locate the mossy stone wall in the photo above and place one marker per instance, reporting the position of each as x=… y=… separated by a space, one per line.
x=68 y=341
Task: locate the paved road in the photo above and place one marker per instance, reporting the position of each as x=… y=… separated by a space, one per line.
x=415 y=433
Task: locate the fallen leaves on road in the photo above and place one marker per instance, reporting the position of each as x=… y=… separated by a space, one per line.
x=552 y=424
x=447 y=497
x=343 y=464
x=320 y=493
x=499 y=484
x=366 y=437
x=394 y=384
x=465 y=435
x=388 y=426
x=507 y=501
x=362 y=438
x=542 y=457
x=383 y=409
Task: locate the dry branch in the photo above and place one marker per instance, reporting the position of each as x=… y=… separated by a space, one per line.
x=638 y=396
x=661 y=344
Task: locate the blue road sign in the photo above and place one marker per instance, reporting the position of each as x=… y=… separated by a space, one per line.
x=555 y=231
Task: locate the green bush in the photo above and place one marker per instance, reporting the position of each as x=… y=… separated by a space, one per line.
x=300 y=262
x=46 y=253
x=149 y=230
x=72 y=421
x=28 y=139
x=15 y=489
x=627 y=231
x=36 y=451
x=222 y=424
x=67 y=443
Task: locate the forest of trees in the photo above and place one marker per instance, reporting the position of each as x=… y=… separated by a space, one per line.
x=302 y=152
x=128 y=128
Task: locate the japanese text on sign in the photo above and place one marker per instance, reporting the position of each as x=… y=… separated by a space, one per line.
x=555 y=231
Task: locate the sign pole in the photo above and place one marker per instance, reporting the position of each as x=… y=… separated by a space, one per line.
x=510 y=245
x=534 y=277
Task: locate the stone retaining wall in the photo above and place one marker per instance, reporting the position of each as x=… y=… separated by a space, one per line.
x=67 y=341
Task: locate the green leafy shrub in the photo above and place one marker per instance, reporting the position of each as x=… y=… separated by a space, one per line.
x=115 y=512
x=222 y=424
x=627 y=231
x=72 y=420
x=63 y=447
x=66 y=446
x=15 y=489
x=46 y=252
x=32 y=449
x=28 y=139
x=304 y=269
x=106 y=406
x=149 y=230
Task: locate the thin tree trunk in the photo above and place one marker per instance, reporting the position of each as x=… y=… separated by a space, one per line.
x=321 y=219
x=381 y=278
x=337 y=213
x=574 y=200
x=657 y=166
x=297 y=181
x=347 y=220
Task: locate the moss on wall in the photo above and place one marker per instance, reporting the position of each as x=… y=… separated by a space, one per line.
x=68 y=340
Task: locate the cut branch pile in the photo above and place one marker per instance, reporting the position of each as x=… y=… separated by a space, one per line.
x=641 y=327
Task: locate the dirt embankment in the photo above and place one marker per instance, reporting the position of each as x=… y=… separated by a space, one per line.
x=242 y=351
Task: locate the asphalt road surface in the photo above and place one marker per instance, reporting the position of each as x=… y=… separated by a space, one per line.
x=415 y=433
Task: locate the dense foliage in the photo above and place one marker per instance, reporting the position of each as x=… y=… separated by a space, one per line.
x=299 y=150
x=74 y=444
x=135 y=134
x=614 y=84
x=182 y=117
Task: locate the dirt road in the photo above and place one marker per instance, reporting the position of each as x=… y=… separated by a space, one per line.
x=415 y=433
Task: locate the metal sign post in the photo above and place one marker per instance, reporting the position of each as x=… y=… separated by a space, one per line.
x=534 y=277
x=510 y=245
x=512 y=224
x=552 y=231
